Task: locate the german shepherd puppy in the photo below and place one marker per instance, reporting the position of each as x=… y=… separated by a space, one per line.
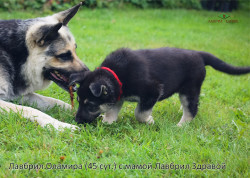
x=145 y=76
x=33 y=53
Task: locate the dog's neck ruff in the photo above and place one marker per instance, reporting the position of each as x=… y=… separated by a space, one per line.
x=117 y=79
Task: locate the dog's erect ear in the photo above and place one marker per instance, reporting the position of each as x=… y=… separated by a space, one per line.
x=76 y=78
x=65 y=16
x=47 y=33
x=98 y=89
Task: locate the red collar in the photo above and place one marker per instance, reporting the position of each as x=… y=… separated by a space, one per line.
x=117 y=79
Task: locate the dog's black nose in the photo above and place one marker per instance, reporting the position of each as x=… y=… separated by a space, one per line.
x=78 y=120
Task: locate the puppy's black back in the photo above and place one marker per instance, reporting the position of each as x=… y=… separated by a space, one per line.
x=152 y=68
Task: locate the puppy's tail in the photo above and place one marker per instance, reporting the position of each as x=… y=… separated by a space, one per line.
x=220 y=65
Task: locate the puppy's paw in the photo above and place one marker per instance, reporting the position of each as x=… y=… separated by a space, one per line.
x=184 y=121
x=181 y=124
x=108 y=120
x=150 y=120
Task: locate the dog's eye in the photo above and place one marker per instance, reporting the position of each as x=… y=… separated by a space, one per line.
x=65 y=56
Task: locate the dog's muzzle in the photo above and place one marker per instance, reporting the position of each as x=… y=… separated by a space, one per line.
x=60 y=77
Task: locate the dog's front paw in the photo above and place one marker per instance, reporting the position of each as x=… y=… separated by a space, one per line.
x=66 y=106
x=61 y=126
x=108 y=120
x=150 y=120
x=63 y=105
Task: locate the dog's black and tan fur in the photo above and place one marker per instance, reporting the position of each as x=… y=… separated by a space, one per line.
x=147 y=76
x=33 y=53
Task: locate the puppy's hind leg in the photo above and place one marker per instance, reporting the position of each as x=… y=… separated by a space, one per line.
x=189 y=104
x=187 y=114
x=189 y=95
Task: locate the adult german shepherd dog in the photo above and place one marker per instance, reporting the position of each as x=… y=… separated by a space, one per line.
x=33 y=53
x=145 y=76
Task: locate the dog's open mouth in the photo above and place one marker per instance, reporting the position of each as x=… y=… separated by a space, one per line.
x=60 y=77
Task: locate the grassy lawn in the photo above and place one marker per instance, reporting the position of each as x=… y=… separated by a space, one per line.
x=218 y=135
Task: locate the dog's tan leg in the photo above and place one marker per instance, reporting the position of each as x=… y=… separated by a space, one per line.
x=144 y=116
x=44 y=102
x=112 y=115
x=187 y=116
x=35 y=115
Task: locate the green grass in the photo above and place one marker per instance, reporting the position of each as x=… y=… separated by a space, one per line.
x=219 y=133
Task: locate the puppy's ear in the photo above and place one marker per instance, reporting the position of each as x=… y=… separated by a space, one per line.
x=47 y=33
x=65 y=16
x=76 y=78
x=98 y=89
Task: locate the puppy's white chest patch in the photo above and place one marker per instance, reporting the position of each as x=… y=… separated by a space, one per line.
x=105 y=107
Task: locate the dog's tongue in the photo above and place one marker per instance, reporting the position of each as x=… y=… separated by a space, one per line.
x=64 y=78
x=54 y=75
x=61 y=77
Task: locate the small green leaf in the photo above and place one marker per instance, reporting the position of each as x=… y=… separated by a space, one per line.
x=224 y=16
